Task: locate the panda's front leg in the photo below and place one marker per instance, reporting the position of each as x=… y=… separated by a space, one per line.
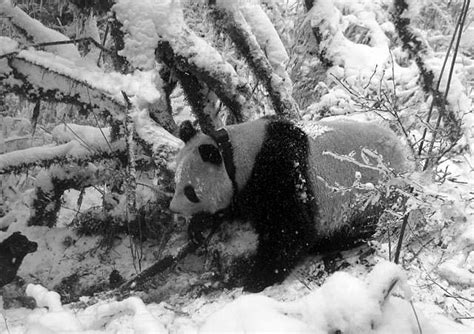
x=267 y=269
x=276 y=257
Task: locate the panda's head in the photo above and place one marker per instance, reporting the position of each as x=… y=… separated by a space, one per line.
x=202 y=182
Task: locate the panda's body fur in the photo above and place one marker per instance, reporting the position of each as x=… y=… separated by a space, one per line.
x=286 y=180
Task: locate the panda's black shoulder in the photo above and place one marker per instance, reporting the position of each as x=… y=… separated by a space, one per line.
x=280 y=129
x=275 y=119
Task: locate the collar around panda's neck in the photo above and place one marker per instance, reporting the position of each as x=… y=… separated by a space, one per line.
x=221 y=137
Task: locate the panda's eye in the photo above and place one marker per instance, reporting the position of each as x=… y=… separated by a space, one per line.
x=210 y=153
x=191 y=194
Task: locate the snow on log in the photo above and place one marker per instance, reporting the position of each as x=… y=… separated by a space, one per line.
x=44 y=156
x=37 y=32
x=38 y=81
x=7 y=45
x=357 y=59
x=44 y=76
x=78 y=143
x=82 y=143
x=154 y=134
x=235 y=25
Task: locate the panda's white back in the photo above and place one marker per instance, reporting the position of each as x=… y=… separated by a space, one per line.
x=335 y=160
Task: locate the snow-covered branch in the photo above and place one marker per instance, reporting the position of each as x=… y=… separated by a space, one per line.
x=162 y=111
x=45 y=156
x=192 y=55
x=53 y=182
x=236 y=26
x=79 y=144
x=417 y=48
x=339 y=48
x=42 y=76
x=200 y=97
x=268 y=39
x=157 y=29
x=83 y=144
x=320 y=36
x=36 y=32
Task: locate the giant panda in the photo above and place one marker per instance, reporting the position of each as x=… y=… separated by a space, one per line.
x=300 y=185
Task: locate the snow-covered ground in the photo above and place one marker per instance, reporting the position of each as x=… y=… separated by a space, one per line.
x=435 y=288
x=343 y=303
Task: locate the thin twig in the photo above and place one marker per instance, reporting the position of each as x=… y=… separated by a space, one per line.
x=460 y=297
x=103 y=42
x=416 y=316
x=131 y=182
x=446 y=291
x=82 y=142
x=71 y=41
x=389 y=245
x=6 y=323
x=445 y=61
x=97 y=121
x=400 y=239
x=421 y=248
x=462 y=19
x=370 y=79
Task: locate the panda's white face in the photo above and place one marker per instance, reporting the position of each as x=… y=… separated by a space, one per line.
x=202 y=183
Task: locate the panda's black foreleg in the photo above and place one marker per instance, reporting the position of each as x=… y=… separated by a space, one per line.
x=275 y=259
x=265 y=273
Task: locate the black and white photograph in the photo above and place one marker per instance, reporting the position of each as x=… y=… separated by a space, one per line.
x=236 y=166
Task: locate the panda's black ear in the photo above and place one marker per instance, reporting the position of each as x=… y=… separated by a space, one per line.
x=186 y=131
x=210 y=153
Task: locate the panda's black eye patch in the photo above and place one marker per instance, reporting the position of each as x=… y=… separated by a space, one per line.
x=210 y=153
x=190 y=194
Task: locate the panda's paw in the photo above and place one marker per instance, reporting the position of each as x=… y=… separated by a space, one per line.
x=203 y=222
x=197 y=225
